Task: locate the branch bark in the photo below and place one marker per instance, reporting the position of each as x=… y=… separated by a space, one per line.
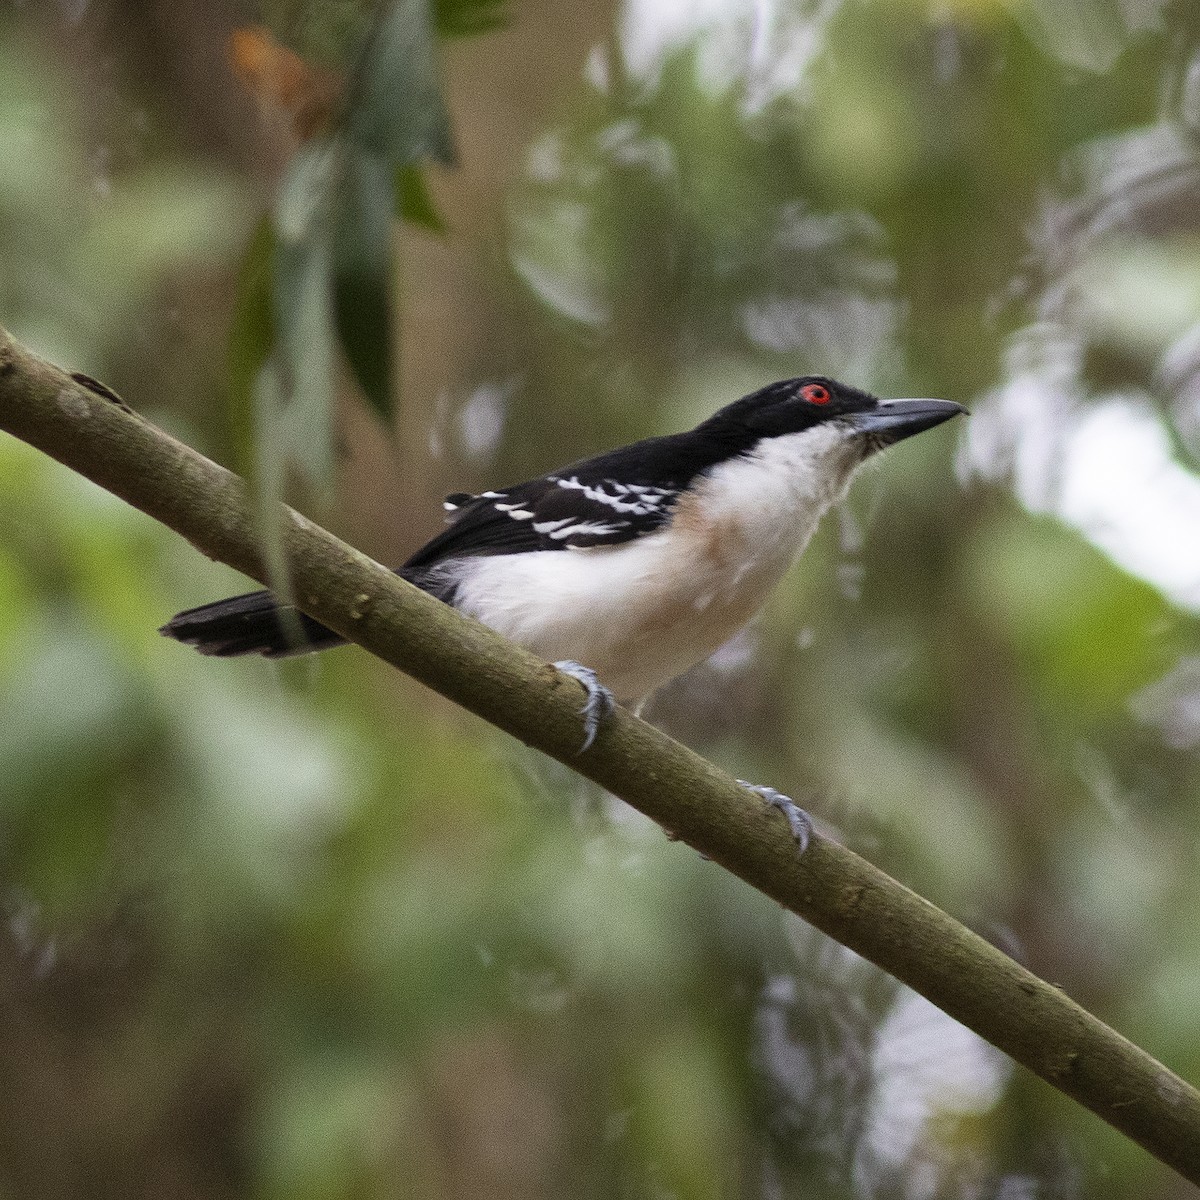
x=829 y=886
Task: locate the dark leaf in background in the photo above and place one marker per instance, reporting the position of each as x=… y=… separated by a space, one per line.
x=250 y=339
x=333 y=255
x=320 y=29
x=414 y=204
x=466 y=18
x=362 y=273
x=303 y=312
x=396 y=108
x=270 y=470
x=282 y=348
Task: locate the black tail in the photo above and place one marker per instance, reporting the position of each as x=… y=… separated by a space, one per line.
x=252 y=624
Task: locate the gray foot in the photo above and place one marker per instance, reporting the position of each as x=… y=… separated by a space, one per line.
x=800 y=823
x=599 y=703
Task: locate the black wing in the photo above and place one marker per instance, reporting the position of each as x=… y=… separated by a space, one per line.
x=601 y=501
x=556 y=512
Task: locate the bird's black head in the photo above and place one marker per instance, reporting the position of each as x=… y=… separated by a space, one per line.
x=792 y=405
x=811 y=401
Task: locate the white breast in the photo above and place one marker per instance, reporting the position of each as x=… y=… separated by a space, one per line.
x=642 y=612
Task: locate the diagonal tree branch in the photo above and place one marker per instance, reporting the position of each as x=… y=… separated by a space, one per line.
x=829 y=886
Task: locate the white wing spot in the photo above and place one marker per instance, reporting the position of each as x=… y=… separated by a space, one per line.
x=587 y=529
x=650 y=499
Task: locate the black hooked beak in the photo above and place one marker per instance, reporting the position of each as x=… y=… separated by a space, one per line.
x=895 y=420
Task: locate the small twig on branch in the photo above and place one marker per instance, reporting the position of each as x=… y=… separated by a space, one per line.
x=829 y=886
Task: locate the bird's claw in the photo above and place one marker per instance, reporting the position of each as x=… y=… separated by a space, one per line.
x=800 y=823
x=599 y=703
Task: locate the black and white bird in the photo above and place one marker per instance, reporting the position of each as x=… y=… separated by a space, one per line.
x=630 y=567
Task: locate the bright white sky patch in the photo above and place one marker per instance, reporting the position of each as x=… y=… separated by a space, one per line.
x=926 y=1064
x=651 y=30
x=1124 y=490
x=764 y=45
x=1107 y=468
x=1113 y=274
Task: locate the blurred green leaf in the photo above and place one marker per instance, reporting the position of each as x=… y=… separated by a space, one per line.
x=466 y=18
x=270 y=471
x=283 y=348
x=333 y=256
x=683 y=1115
x=321 y=29
x=251 y=338
x=396 y=108
x=303 y=306
x=324 y=29
x=413 y=201
x=362 y=273
x=1087 y=632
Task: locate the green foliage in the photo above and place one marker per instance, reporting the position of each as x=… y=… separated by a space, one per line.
x=1087 y=635
x=396 y=109
x=316 y=933
x=363 y=273
x=413 y=201
x=334 y=266
x=323 y=29
x=302 y=263
x=251 y=339
x=468 y=18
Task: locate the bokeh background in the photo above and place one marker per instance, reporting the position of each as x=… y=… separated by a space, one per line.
x=309 y=931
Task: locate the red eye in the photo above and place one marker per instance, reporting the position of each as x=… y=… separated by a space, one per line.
x=815 y=393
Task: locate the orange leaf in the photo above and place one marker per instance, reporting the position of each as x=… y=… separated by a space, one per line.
x=280 y=79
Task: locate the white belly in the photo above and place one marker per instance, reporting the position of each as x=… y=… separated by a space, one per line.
x=645 y=611
x=635 y=617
